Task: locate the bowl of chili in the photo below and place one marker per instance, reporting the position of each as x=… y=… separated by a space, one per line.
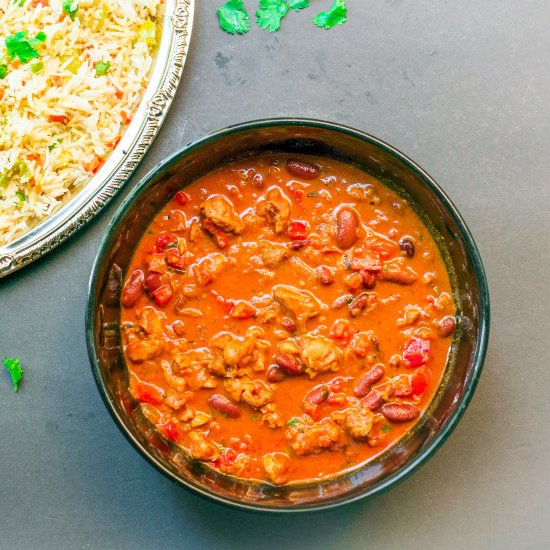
x=239 y=306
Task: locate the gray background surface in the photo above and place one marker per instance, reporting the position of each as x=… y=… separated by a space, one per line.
x=462 y=87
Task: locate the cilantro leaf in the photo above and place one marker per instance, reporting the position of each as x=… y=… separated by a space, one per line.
x=298 y=4
x=17 y=45
x=3 y=71
x=385 y=428
x=292 y=422
x=336 y=15
x=70 y=7
x=233 y=17
x=15 y=370
x=271 y=13
x=101 y=68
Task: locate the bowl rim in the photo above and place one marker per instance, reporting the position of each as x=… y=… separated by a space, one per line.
x=478 y=358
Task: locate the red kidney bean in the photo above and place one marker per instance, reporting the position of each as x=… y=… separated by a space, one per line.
x=446 y=326
x=133 y=288
x=372 y=401
x=275 y=374
x=289 y=363
x=369 y=280
x=407 y=246
x=153 y=281
x=341 y=301
x=221 y=404
x=301 y=169
x=288 y=324
x=317 y=395
x=359 y=303
x=325 y=275
x=366 y=381
x=399 y=412
x=346 y=228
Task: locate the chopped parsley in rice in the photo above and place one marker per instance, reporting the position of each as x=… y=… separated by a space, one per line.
x=72 y=73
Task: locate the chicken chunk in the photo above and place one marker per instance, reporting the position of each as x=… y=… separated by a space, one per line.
x=276 y=466
x=257 y=393
x=272 y=253
x=199 y=357
x=193 y=365
x=201 y=448
x=276 y=208
x=307 y=438
x=221 y=212
x=239 y=352
x=151 y=321
x=301 y=303
x=144 y=350
x=358 y=422
x=271 y=416
x=205 y=270
x=319 y=354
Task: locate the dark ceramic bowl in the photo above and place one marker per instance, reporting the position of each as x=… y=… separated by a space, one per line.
x=298 y=136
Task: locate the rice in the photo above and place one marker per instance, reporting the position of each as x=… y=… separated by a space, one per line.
x=63 y=112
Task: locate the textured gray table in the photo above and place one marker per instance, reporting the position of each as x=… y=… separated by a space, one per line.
x=462 y=87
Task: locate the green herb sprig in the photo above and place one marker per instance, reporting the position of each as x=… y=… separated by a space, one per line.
x=15 y=370
x=234 y=19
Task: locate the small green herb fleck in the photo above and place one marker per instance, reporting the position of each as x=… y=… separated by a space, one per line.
x=15 y=370
x=3 y=71
x=233 y=17
x=17 y=45
x=54 y=145
x=336 y=15
x=254 y=417
x=292 y=422
x=101 y=68
x=70 y=7
x=385 y=428
x=20 y=196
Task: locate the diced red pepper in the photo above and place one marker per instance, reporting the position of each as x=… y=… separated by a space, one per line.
x=226 y=459
x=219 y=236
x=162 y=295
x=297 y=230
x=175 y=259
x=182 y=198
x=242 y=310
x=342 y=330
x=163 y=240
x=419 y=383
x=368 y=260
x=417 y=352
x=299 y=194
x=146 y=393
x=170 y=430
x=378 y=243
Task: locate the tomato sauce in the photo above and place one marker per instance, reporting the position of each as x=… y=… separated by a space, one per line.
x=286 y=318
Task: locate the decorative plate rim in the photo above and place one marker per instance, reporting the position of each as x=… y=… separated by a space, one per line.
x=123 y=161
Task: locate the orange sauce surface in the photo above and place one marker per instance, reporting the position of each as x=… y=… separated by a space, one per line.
x=286 y=318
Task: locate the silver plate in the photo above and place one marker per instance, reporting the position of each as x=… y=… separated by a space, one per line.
x=163 y=83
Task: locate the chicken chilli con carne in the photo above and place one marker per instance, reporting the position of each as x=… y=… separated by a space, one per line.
x=286 y=318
